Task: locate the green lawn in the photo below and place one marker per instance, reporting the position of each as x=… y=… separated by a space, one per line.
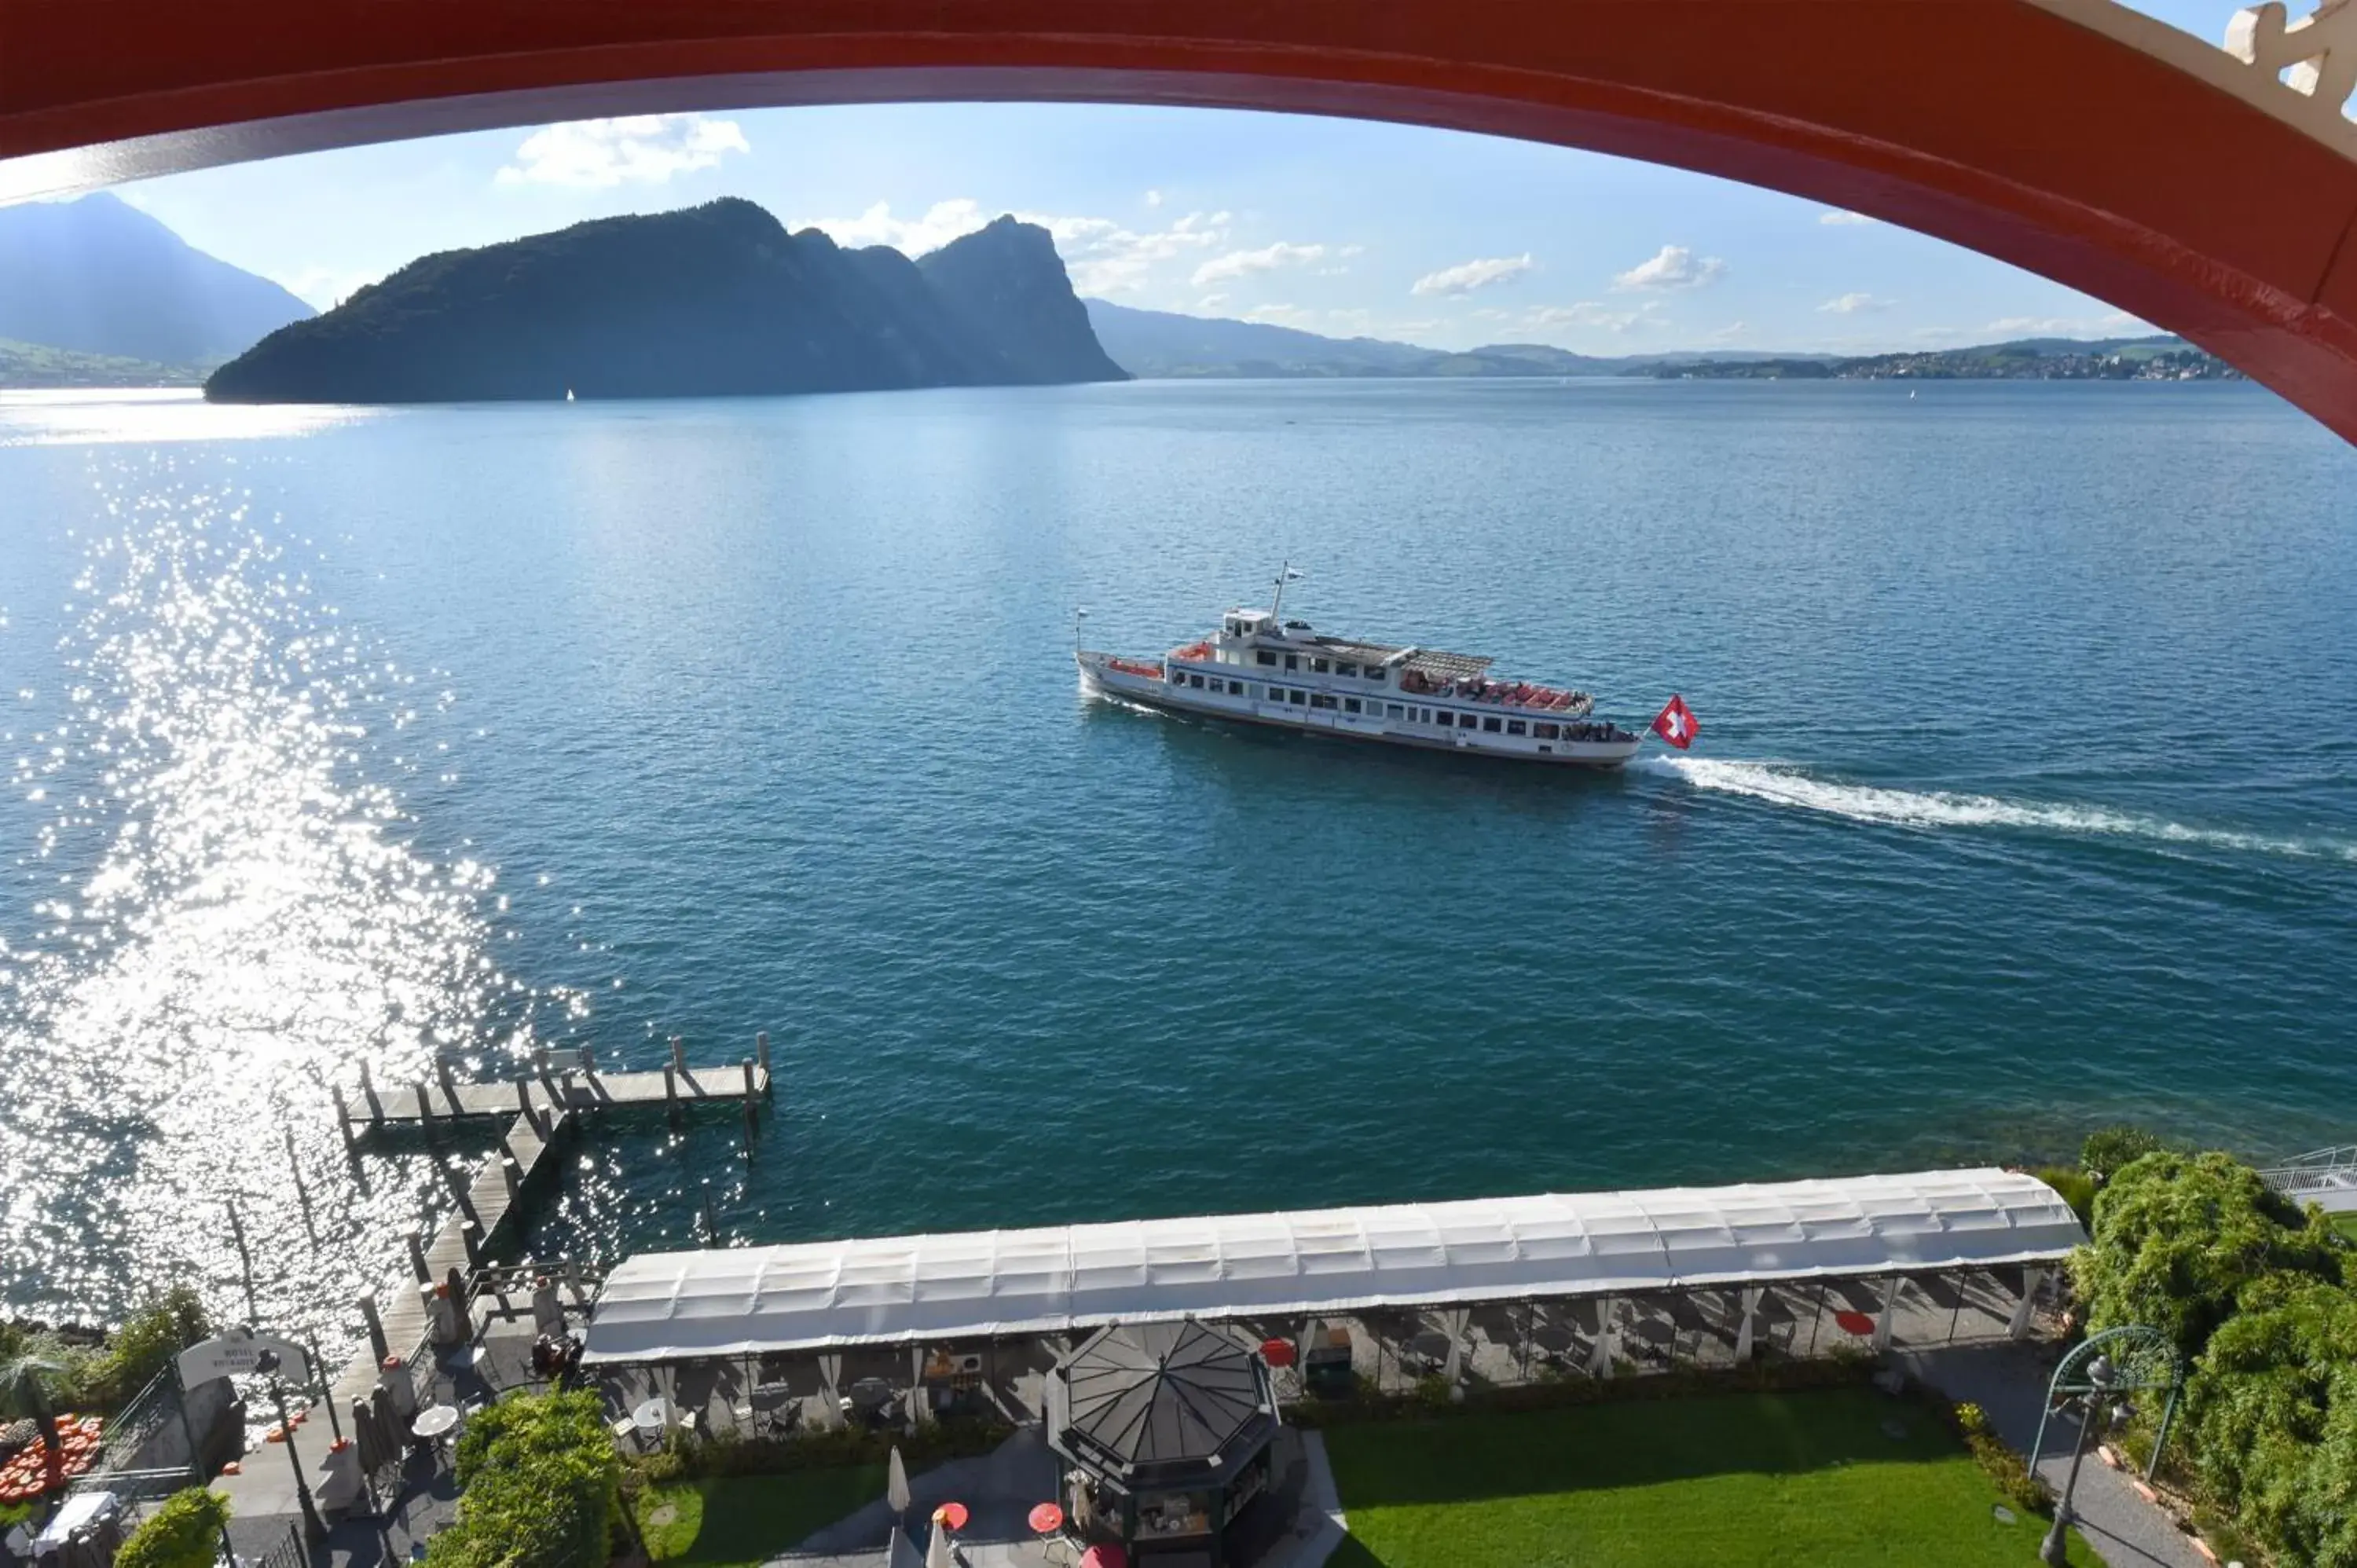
x=742 y=1519
x=2346 y=1223
x=1764 y=1479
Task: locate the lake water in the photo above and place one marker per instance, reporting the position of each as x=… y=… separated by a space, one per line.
x=2026 y=800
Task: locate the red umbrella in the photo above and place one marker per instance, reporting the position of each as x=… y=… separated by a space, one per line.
x=952 y=1515
x=1277 y=1352
x=1853 y=1322
x=1046 y=1520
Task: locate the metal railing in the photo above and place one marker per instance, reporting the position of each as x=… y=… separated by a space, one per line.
x=147 y=1412
x=2322 y=1170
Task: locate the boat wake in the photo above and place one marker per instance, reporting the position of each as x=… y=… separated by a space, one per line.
x=1785 y=785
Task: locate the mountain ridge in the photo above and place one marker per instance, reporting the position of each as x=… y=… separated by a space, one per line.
x=713 y=300
x=97 y=277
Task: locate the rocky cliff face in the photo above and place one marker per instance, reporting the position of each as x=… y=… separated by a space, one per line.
x=1010 y=283
x=713 y=300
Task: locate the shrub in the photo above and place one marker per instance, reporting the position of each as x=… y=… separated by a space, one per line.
x=2014 y=1482
x=1971 y=1418
x=184 y=1532
x=2178 y=1237
x=2109 y=1151
x=2076 y=1187
x=539 y=1487
x=146 y=1345
x=2273 y=1413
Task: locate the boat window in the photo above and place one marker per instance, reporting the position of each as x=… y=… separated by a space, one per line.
x=1516 y=726
x=1296 y=698
x=1177 y=677
x=1236 y=687
x=1292 y=661
x=1320 y=700
x=1393 y=710
x=1491 y=723
x=1319 y=665
x=1196 y=681
x=1545 y=732
x=1349 y=705
x=1265 y=656
x=1466 y=721
x=1342 y=669
x=1376 y=674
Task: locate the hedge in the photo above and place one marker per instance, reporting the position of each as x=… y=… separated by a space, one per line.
x=184 y=1532
x=539 y=1487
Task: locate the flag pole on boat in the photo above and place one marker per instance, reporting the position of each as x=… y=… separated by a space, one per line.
x=1285 y=573
x=1079 y=616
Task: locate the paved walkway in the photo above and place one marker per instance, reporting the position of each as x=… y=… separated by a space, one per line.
x=2009 y=1382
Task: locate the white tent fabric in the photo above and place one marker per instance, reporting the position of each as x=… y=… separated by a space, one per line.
x=660 y=1306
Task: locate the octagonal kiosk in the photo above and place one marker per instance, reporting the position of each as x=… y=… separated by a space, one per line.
x=1161 y=1431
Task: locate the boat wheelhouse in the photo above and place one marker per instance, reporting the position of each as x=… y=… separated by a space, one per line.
x=1258 y=667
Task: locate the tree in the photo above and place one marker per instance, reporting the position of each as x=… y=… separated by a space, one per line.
x=2178 y=1237
x=24 y=1390
x=2111 y=1149
x=185 y=1533
x=2273 y=1414
x=148 y=1340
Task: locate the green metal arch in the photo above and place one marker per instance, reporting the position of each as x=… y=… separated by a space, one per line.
x=2141 y=1360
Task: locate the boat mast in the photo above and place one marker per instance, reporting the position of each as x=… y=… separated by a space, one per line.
x=1285 y=574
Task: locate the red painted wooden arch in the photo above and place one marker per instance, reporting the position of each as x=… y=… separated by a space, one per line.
x=2070 y=137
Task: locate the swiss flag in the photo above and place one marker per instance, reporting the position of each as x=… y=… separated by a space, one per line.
x=1676 y=722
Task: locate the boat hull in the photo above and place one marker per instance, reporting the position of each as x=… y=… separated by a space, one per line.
x=1150 y=686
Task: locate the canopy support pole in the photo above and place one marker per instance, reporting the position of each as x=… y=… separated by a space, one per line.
x=1750 y=1299
x=2031 y=1280
x=1599 y=1362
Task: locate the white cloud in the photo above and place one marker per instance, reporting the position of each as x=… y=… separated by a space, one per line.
x=1242 y=264
x=1672 y=266
x=1154 y=198
x=638 y=149
x=1107 y=257
x=1467 y=276
x=1211 y=302
x=942 y=221
x=1851 y=303
x=1731 y=332
x=2111 y=325
x=1837 y=217
x=1590 y=314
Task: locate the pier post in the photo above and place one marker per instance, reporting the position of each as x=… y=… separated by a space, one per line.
x=377 y=1341
x=417 y=1256
x=512 y=1173
x=671 y=1090
x=761 y=1050
x=449 y=1085
x=524 y=1099
x=678 y=1054
x=368 y=1093
x=343 y=1115
x=425 y=1104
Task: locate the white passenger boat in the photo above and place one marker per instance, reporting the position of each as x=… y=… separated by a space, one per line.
x=1261 y=669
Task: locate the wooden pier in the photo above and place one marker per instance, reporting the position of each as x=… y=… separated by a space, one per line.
x=551 y=1091
x=490 y=1208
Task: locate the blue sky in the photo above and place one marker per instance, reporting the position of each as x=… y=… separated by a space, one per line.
x=1339 y=227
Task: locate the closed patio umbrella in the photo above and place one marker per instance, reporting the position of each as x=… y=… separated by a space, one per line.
x=937 y=1551
x=896 y=1484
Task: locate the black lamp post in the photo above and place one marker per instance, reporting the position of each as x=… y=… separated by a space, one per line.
x=2055 y=1549
x=266 y=1362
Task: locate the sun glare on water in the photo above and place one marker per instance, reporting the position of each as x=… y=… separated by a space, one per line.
x=236 y=915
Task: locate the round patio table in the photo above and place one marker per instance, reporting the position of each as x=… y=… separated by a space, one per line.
x=648 y=1417
x=1046 y=1520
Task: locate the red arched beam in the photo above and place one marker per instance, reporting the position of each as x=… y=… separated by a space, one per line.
x=2067 y=136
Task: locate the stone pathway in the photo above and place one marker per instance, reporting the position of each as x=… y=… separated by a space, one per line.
x=2009 y=1381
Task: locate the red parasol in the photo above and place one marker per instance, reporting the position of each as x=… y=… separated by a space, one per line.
x=1277 y=1352
x=1853 y=1322
x=952 y=1515
x=1046 y=1520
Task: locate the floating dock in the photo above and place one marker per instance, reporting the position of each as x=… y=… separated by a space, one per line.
x=553 y=1091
